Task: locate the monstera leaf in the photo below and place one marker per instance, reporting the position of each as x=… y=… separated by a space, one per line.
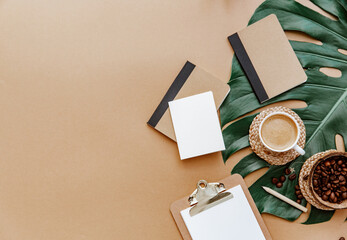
x=326 y=98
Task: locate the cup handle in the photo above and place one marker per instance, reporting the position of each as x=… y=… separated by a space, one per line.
x=299 y=150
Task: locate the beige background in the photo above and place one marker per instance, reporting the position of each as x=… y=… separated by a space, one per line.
x=78 y=81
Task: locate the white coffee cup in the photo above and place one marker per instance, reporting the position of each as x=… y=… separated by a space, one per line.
x=295 y=143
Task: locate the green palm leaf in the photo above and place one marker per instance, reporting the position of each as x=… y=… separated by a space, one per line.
x=326 y=98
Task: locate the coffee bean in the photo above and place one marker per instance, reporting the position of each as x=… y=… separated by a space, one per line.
x=287 y=171
x=282 y=178
x=298 y=201
x=332 y=196
x=315 y=182
x=292 y=177
x=329 y=179
x=297 y=192
x=300 y=196
x=279 y=184
x=297 y=187
x=274 y=180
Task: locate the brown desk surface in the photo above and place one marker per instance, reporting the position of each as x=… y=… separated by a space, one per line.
x=78 y=81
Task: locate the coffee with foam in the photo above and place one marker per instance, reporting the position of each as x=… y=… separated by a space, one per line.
x=279 y=132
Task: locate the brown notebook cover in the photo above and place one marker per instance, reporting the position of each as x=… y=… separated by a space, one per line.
x=228 y=182
x=267 y=58
x=191 y=80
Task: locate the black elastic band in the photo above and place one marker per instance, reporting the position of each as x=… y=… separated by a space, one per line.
x=171 y=93
x=248 y=67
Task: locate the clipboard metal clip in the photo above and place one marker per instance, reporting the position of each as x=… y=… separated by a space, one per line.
x=206 y=196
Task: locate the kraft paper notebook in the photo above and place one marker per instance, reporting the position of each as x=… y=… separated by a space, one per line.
x=219 y=211
x=267 y=58
x=191 y=80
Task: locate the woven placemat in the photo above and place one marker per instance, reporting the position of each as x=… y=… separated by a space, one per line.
x=271 y=157
x=304 y=179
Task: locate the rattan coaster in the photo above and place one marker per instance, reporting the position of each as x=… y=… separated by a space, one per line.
x=304 y=179
x=271 y=157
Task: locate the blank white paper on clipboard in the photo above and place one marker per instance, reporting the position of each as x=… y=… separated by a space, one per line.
x=233 y=219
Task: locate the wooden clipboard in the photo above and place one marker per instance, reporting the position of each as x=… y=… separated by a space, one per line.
x=228 y=182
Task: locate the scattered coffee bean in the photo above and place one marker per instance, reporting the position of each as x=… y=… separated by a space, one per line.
x=298 y=194
x=279 y=184
x=282 y=178
x=274 y=180
x=292 y=177
x=329 y=179
x=287 y=171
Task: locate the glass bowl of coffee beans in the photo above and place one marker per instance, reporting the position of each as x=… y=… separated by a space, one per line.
x=328 y=180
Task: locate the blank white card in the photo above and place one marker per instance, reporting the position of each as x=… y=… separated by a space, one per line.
x=233 y=219
x=196 y=125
